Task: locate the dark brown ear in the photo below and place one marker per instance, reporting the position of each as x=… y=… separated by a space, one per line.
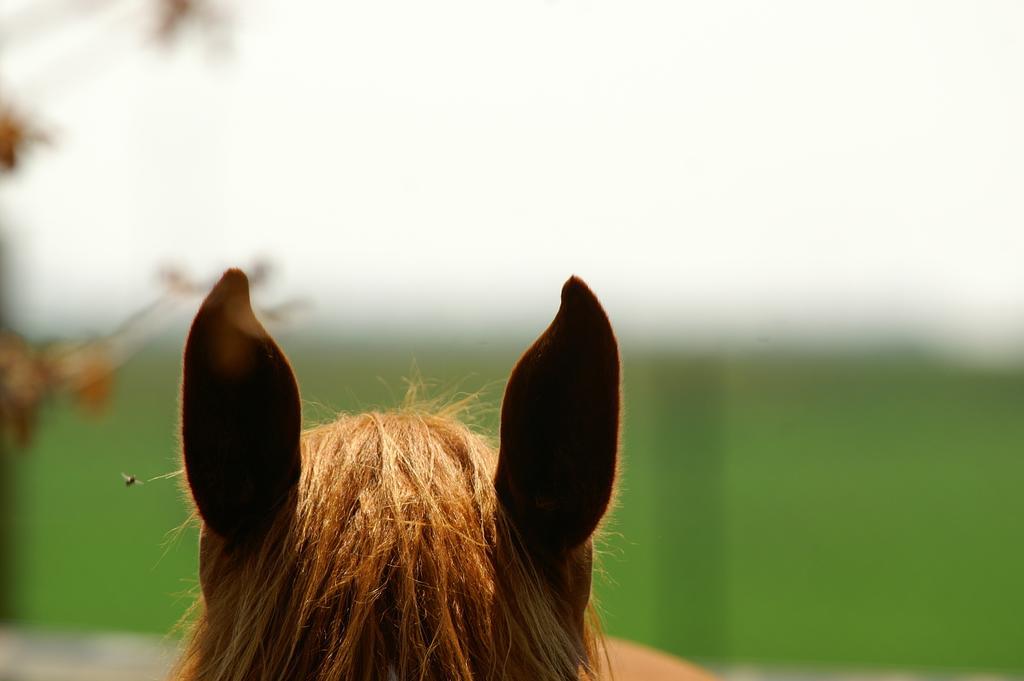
x=240 y=413
x=560 y=426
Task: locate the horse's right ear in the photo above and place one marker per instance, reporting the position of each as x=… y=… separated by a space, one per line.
x=560 y=426
x=240 y=414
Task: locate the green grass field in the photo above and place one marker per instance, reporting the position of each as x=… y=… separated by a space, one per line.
x=862 y=511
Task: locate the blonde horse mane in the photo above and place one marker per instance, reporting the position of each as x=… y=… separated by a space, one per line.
x=396 y=522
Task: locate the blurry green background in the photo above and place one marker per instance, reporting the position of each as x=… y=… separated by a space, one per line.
x=805 y=190
x=835 y=509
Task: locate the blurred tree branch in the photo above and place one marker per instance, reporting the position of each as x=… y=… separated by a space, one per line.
x=33 y=375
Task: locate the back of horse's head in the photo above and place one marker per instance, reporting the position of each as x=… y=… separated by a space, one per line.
x=398 y=543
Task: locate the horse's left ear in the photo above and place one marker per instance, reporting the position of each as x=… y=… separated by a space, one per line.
x=240 y=413
x=560 y=426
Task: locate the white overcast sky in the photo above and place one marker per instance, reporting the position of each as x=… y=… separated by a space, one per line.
x=738 y=166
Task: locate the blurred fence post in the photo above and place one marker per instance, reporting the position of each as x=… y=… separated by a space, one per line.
x=692 y=562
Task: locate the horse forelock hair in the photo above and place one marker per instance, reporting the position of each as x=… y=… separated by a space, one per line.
x=391 y=558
